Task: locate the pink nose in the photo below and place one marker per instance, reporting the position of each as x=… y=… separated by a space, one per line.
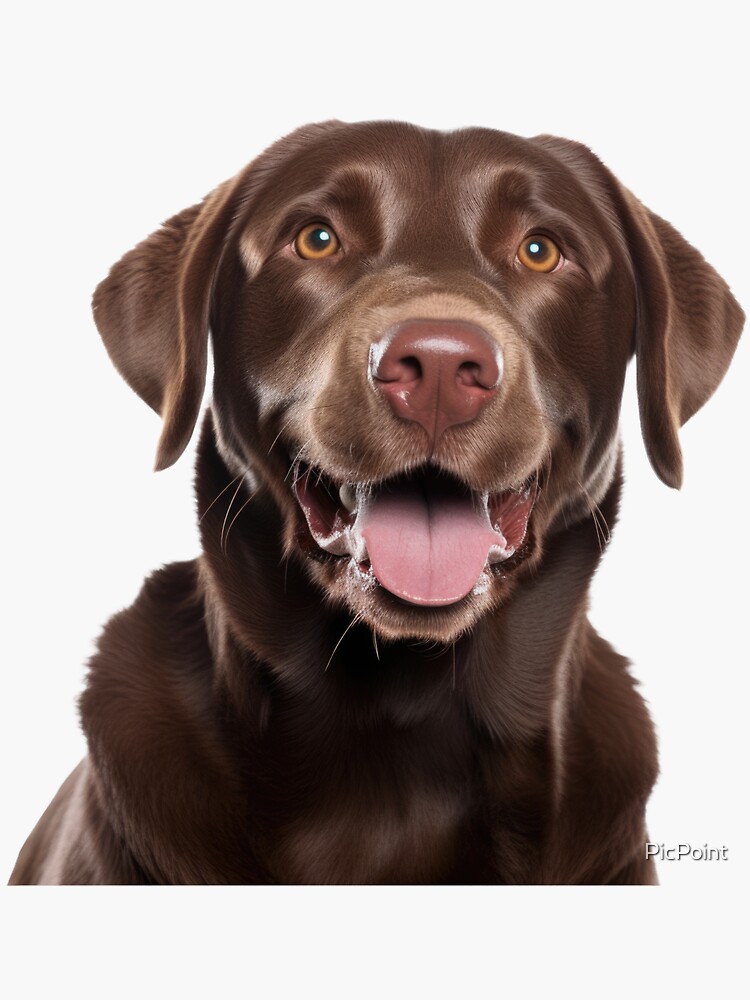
x=437 y=372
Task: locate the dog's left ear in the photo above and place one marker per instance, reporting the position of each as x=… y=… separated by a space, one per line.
x=688 y=322
x=687 y=330
x=152 y=312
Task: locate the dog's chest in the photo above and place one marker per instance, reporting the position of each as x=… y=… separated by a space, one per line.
x=364 y=844
x=381 y=812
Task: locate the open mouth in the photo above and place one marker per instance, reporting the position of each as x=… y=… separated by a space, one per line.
x=425 y=537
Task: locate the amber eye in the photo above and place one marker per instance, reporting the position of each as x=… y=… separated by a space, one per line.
x=316 y=241
x=539 y=253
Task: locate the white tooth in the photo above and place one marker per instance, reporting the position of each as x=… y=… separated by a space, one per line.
x=348 y=497
x=499 y=553
x=359 y=548
x=337 y=543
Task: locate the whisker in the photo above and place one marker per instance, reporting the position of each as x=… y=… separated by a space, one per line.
x=354 y=621
x=603 y=520
x=219 y=495
x=224 y=523
x=294 y=460
x=375 y=644
x=226 y=537
x=599 y=535
x=603 y=533
x=283 y=428
x=297 y=479
x=600 y=521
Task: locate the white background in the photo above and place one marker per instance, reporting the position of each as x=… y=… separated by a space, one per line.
x=116 y=117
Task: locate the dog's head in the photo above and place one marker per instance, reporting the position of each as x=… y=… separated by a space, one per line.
x=420 y=341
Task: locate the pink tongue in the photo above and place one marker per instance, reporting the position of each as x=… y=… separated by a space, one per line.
x=427 y=547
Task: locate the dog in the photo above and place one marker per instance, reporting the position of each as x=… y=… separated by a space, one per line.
x=380 y=669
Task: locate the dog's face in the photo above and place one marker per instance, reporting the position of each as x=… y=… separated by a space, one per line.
x=420 y=341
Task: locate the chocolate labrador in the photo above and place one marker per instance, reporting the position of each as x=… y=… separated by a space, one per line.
x=380 y=667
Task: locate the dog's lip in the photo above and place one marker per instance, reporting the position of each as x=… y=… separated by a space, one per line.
x=477 y=531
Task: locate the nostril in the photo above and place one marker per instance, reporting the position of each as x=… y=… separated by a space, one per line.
x=412 y=369
x=394 y=369
x=469 y=373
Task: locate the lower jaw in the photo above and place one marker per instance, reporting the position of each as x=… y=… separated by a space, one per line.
x=391 y=618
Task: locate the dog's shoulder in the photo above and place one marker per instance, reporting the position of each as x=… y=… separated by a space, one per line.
x=162 y=769
x=149 y=689
x=150 y=649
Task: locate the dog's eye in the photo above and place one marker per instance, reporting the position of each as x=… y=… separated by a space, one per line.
x=539 y=253
x=316 y=241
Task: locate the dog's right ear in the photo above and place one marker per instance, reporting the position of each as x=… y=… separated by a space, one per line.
x=152 y=313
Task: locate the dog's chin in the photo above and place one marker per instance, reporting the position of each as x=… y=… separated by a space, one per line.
x=420 y=555
x=391 y=618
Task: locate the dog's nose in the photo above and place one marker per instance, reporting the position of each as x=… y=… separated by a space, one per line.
x=437 y=372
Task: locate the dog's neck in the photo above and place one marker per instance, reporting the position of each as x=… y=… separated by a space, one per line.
x=509 y=676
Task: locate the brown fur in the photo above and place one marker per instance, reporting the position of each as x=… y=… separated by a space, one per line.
x=257 y=717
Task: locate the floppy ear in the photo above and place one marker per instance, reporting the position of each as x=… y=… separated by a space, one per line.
x=152 y=313
x=688 y=323
x=687 y=330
